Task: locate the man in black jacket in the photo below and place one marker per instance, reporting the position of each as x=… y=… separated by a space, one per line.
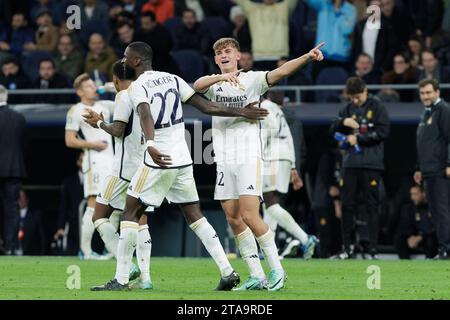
x=12 y=168
x=433 y=155
x=365 y=121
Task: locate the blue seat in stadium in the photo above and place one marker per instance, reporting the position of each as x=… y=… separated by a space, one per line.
x=190 y=63
x=330 y=76
x=30 y=63
x=93 y=26
x=217 y=26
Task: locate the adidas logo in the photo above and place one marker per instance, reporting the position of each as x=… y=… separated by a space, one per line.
x=149 y=241
x=254 y=256
x=219 y=89
x=215 y=236
x=130 y=187
x=250 y=187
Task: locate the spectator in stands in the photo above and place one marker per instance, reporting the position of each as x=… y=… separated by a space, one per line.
x=191 y=34
x=12 y=77
x=364 y=68
x=100 y=56
x=429 y=19
x=299 y=78
x=196 y=5
x=47 y=34
x=131 y=7
x=68 y=60
x=160 y=39
x=12 y=168
x=246 y=61
x=415 y=227
x=415 y=48
x=49 y=78
x=241 y=30
x=402 y=23
x=336 y=21
x=379 y=44
x=47 y=5
x=403 y=73
x=163 y=9
x=31 y=236
x=93 y=10
x=69 y=208
x=433 y=70
x=268 y=20
x=15 y=38
x=125 y=35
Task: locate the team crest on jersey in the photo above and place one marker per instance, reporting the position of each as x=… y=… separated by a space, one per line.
x=369 y=115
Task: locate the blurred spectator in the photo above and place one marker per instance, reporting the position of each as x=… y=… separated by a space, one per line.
x=123 y=17
x=196 y=5
x=268 y=20
x=12 y=168
x=429 y=19
x=163 y=9
x=415 y=48
x=415 y=227
x=364 y=69
x=241 y=30
x=336 y=21
x=46 y=35
x=160 y=39
x=131 y=7
x=93 y=10
x=433 y=70
x=403 y=73
x=246 y=61
x=100 y=56
x=125 y=35
x=49 y=78
x=12 y=77
x=191 y=34
x=15 y=38
x=68 y=60
x=31 y=236
x=402 y=24
x=47 y=5
x=69 y=209
x=379 y=44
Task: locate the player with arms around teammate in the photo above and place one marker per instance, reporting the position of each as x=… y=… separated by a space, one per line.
x=279 y=171
x=129 y=147
x=98 y=151
x=237 y=146
x=166 y=171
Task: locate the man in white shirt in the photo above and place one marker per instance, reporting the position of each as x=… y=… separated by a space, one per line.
x=238 y=154
x=279 y=171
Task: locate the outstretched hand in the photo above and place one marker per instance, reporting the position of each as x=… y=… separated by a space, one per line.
x=92 y=117
x=315 y=53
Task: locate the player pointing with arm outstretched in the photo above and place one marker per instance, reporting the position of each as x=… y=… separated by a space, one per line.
x=237 y=146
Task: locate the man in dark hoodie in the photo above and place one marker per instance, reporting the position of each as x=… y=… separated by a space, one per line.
x=433 y=159
x=365 y=122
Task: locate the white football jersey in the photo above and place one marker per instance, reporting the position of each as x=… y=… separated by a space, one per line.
x=164 y=92
x=130 y=148
x=75 y=122
x=237 y=138
x=278 y=142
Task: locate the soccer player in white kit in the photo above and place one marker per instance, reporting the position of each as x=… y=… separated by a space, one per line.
x=129 y=152
x=166 y=171
x=279 y=171
x=98 y=151
x=237 y=146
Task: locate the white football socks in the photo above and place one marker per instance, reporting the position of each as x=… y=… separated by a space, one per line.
x=287 y=222
x=144 y=251
x=248 y=249
x=125 y=249
x=211 y=241
x=269 y=249
x=108 y=233
x=87 y=231
x=271 y=221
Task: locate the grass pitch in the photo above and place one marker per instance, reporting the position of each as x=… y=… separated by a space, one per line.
x=195 y=279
